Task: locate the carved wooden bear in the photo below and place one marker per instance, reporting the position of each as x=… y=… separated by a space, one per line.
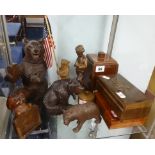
x=32 y=71
x=56 y=98
x=81 y=113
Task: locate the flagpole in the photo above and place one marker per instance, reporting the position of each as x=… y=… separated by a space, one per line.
x=50 y=36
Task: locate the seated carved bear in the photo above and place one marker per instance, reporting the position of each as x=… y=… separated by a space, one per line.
x=81 y=113
x=32 y=71
x=57 y=95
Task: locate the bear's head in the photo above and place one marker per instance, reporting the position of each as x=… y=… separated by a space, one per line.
x=34 y=51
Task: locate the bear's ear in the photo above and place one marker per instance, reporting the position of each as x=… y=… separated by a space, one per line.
x=40 y=41
x=25 y=40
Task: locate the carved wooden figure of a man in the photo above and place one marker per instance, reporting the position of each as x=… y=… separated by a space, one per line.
x=81 y=63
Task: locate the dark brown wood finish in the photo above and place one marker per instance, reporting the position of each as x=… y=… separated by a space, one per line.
x=110 y=66
x=135 y=104
x=111 y=121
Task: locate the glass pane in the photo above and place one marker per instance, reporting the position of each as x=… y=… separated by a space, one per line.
x=4 y=88
x=2 y=47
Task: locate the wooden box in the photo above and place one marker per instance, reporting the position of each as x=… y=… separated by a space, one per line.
x=26 y=120
x=111 y=121
x=98 y=65
x=126 y=101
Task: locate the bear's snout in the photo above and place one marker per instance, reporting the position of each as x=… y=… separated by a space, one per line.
x=36 y=51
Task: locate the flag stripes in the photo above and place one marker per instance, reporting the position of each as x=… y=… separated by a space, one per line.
x=48 y=46
x=48 y=53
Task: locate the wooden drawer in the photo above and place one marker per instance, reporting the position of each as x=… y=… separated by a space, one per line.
x=111 y=121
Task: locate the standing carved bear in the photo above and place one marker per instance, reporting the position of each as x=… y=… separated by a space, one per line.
x=32 y=71
x=57 y=95
x=81 y=113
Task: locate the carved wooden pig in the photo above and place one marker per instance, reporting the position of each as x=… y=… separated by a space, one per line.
x=81 y=113
x=56 y=97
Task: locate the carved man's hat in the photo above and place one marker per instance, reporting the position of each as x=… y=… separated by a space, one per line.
x=79 y=48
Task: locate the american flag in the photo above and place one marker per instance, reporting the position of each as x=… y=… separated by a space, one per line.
x=48 y=45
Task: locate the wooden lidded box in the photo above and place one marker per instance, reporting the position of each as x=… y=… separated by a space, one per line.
x=125 y=100
x=98 y=64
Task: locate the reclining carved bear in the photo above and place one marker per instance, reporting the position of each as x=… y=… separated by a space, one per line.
x=32 y=71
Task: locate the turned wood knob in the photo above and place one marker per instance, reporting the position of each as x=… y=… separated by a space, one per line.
x=101 y=55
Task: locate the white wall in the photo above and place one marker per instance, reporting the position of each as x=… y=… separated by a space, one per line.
x=134 y=48
x=69 y=31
